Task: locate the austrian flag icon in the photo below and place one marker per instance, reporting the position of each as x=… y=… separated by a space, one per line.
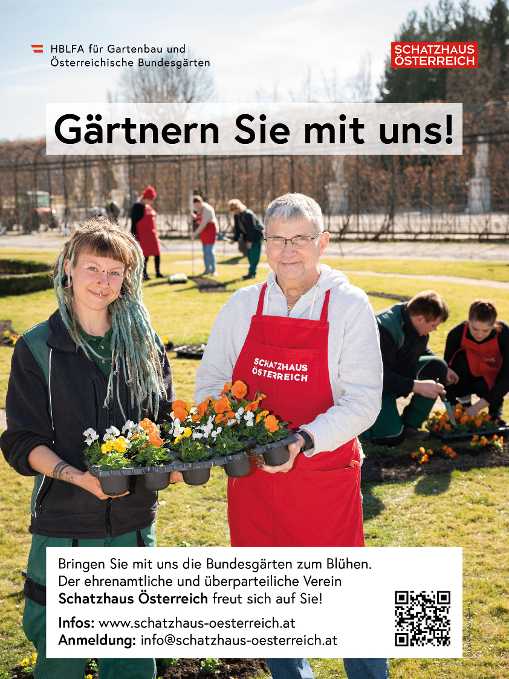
x=37 y=48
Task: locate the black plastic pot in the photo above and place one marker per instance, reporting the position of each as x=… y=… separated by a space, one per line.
x=114 y=485
x=197 y=476
x=156 y=480
x=240 y=465
x=275 y=453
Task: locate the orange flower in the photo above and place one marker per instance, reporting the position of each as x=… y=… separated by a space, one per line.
x=229 y=415
x=202 y=407
x=222 y=405
x=252 y=406
x=180 y=413
x=239 y=389
x=147 y=425
x=155 y=439
x=271 y=424
x=180 y=409
x=261 y=415
x=219 y=418
x=227 y=387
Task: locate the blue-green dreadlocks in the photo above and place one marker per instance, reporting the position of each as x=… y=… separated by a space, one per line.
x=134 y=344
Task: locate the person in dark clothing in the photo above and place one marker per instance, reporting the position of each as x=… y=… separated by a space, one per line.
x=144 y=229
x=248 y=230
x=478 y=352
x=68 y=374
x=410 y=367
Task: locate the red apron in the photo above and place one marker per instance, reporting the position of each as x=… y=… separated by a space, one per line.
x=208 y=235
x=146 y=233
x=317 y=503
x=485 y=359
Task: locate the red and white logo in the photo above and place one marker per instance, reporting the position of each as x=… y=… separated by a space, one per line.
x=37 y=48
x=434 y=55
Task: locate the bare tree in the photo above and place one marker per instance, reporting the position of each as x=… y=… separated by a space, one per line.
x=152 y=84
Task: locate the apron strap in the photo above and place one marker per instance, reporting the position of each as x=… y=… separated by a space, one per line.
x=325 y=308
x=261 y=300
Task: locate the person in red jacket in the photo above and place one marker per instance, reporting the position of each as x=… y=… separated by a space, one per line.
x=205 y=217
x=144 y=229
x=478 y=351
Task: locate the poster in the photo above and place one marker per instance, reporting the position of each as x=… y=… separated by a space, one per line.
x=431 y=213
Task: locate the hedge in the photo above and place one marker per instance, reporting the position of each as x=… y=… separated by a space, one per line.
x=18 y=276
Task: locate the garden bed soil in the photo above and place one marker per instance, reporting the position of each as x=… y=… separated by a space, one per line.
x=395 y=466
x=230 y=668
x=190 y=668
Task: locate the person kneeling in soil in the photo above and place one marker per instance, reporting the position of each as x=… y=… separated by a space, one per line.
x=410 y=367
x=95 y=362
x=478 y=352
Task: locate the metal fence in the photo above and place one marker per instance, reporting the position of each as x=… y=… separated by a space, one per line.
x=367 y=197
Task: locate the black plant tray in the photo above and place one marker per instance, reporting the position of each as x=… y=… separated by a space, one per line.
x=116 y=481
x=190 y=351
x=274 y=452
x=468 y=435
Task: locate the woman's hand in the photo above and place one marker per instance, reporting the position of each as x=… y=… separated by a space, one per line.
x=294 y=449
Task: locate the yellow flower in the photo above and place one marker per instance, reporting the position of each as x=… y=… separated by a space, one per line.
x=261 y=415
x=121 y=444
x=107 y=447
x=89 y=676
x=25 y=662
x=178 y=439
x=187 y=432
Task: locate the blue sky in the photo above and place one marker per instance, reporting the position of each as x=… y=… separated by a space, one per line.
x=262 y=47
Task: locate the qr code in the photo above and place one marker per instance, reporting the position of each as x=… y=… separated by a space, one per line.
x=422 y=618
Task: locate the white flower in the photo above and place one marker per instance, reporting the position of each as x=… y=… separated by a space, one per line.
x=197 y=435
x=111 y=433
x=90 y=436
x=250 y=423
x=128 y=427
x=249 y=416
x=238 y=414
x=230 y=423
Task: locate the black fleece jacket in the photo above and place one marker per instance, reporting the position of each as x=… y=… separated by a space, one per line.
x=78 y=390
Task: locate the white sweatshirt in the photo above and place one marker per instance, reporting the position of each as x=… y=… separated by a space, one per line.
x=355 y=363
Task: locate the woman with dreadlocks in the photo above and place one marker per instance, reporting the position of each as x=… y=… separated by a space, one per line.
x=96 y=362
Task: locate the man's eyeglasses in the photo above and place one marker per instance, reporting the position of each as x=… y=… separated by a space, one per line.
x=297 y=242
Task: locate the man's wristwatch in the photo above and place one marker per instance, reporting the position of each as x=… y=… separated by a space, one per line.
x=308 y=440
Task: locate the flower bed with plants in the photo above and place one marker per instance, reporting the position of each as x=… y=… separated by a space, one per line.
x=221 y=432
x=465 y=426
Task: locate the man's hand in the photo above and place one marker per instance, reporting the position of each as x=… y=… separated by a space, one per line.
x=452 y=377
x=91 y=484
x=428 y=388
x=176 y=477
x=477 y=407
x=294 y=449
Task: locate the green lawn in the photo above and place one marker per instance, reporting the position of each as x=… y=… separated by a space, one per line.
x=467 y=509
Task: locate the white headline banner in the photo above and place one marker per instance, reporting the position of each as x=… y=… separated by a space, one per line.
x=251 y=602
x=254 y=129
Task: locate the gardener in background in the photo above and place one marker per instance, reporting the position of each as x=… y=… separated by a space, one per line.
x=308 y=340
x=69 y=373
x=249 y=230
x=478 y=352
x=205 y=219
x=410 y=367
x=144 y=229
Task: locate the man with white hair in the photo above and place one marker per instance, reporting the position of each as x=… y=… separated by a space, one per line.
x=308 y=340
